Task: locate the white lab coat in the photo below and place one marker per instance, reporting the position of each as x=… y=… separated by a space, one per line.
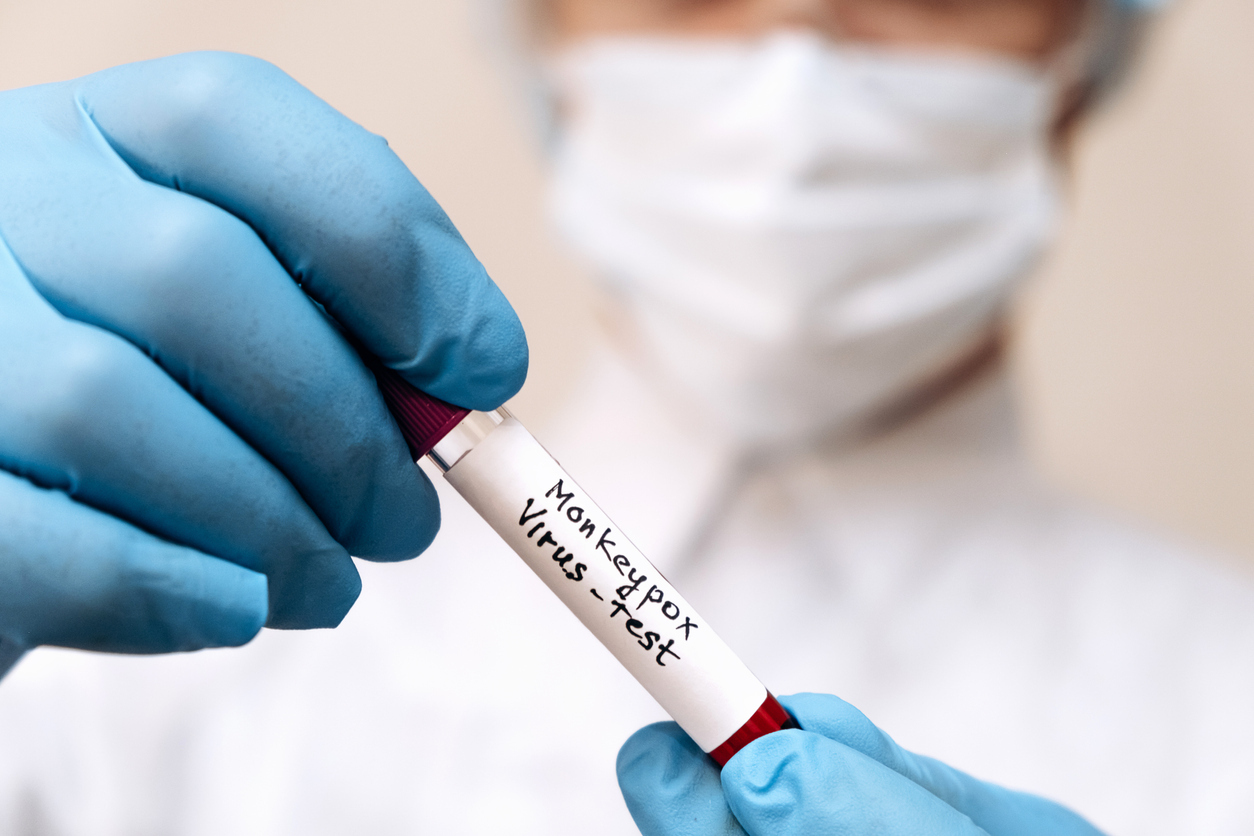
x=925 y=576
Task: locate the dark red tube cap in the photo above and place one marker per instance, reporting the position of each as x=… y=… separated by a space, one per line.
x=423 y=420
x=770 y=717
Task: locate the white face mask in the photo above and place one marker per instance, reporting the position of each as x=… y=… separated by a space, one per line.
x=801 y=232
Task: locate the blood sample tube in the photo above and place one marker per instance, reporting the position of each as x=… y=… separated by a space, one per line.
x=555 y=527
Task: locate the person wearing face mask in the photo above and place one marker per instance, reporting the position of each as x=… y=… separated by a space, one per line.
x=807 y=220
x=798 y=234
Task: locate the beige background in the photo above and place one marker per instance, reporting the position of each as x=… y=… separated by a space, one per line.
x=1136 y=360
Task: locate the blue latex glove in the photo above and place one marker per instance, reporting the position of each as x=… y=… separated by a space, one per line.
x=188 y=446
x=841 y=775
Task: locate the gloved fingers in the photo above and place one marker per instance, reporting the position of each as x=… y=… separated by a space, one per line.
x=88 y=413
x=796 y=783
x=671 y=787
x=10 y=654
x=995 y=809
x=75 y=577
x=332 y=201
x=837 y=720
x=197 y=290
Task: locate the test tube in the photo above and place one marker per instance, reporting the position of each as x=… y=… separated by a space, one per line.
x=555 y=527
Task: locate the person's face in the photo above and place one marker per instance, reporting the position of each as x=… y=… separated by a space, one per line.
x=1027 y=29
x=674 y=200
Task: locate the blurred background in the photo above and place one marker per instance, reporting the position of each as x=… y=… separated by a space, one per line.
x=1134 y=349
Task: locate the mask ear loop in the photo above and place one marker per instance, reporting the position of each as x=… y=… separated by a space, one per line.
x=1087 y=70
x=517 y=34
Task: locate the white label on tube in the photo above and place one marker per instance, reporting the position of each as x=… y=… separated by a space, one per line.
x=581 y=555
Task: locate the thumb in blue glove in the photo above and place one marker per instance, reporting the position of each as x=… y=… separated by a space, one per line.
x=190 y=445
x=839 y=774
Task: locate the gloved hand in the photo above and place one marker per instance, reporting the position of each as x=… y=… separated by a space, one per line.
x=841 y=775
x=189 y=444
